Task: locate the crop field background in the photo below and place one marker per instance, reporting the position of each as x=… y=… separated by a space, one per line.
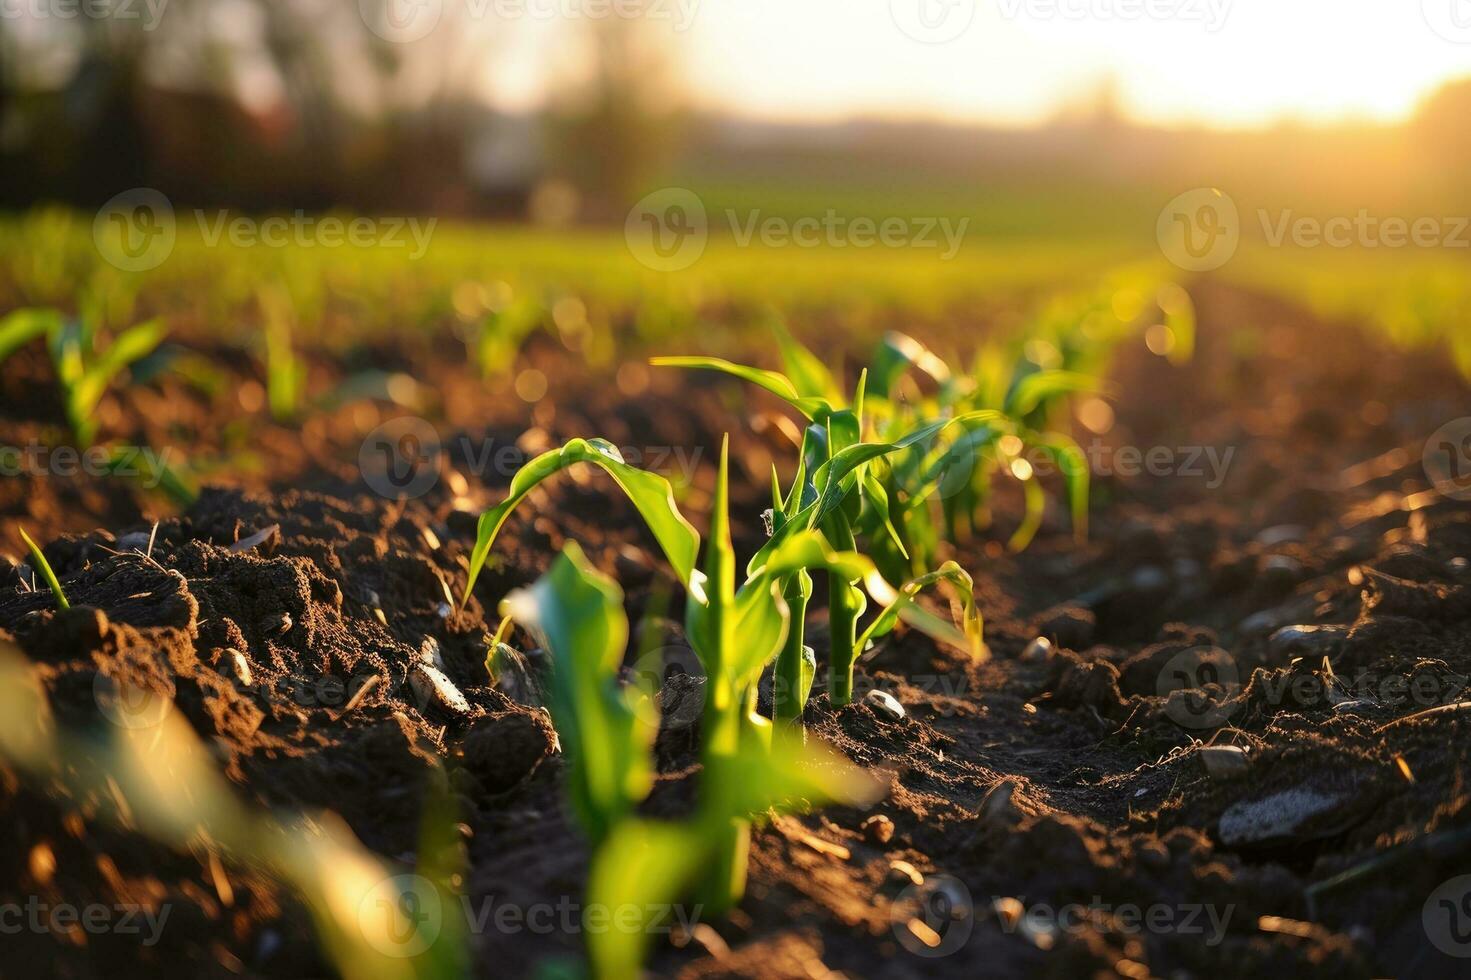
x=614 y=490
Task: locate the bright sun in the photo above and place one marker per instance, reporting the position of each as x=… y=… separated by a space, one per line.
x=1222 y=62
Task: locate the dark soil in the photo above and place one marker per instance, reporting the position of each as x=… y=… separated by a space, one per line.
x=1069 y=777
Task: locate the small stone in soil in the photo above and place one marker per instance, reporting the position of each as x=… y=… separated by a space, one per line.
x=431 y=686
x=1308 y=639
x=878 y=828
x=997 y=807
x=1224 y=761
x=903 y=873
x=240 y=665
x=885 y=704
x=1039 y=651
x=279 y=625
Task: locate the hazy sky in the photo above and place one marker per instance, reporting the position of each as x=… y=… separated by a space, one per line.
x=1227 y=62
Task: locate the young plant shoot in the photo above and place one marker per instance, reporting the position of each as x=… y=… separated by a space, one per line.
x=639 y=863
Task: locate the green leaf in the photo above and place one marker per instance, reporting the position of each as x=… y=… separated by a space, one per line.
x=1035 y=503
x=578 y=613
x=901 y=605
x=877 y=499
x=809 y=674
x=20 y=327
x=131 y=345
x=832 y=478
x=761 y=613
x=1035 y=389
x=640 y=870
x=650 y=493
x=778 y=384
x=1073 y=463
x=176 y=486
x=897 y=353
x=44 y=567
x=809 y=376
x=709 y=620
x=793 y=775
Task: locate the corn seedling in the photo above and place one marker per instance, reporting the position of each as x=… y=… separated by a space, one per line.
x=494 y=343
x=163 y=782
x=734 y=631
x=842 y=496
x=44 y=567
x=83 y=369
x=285 y=375
x=638 y=863
x=20 y=327
x=178 y=487
x=85 y=372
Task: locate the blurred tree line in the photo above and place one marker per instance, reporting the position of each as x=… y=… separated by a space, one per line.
x=272 y=104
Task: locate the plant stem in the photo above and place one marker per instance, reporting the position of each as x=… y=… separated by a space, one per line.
x=788 y=696
x=842 y=611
